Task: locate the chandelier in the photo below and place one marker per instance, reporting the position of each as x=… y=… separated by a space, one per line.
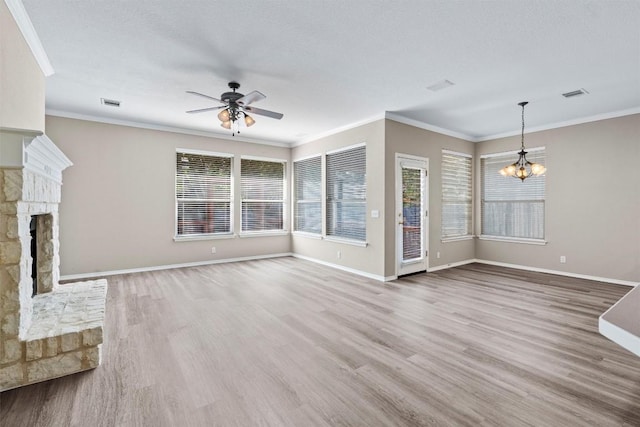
x=523 y=168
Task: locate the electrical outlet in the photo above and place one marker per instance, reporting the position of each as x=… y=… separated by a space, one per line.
x=438 y=254
x=339 y=254
x=563 y=259
x=213 y=250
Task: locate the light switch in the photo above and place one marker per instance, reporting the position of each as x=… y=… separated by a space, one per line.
x=375 y=213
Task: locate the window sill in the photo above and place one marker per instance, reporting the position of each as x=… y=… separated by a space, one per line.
x=514 y=240
x=196 y=237
x=263 y=233
x=457 y=239
x=307 y=235
x=346 y=241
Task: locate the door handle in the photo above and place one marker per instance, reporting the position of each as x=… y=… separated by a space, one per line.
x=401 y=223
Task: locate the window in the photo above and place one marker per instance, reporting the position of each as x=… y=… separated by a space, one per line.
x=262 y=187
x=512 y=208
x=347 y=193
x=456 y=195
x=203 y=194
x=307 y=181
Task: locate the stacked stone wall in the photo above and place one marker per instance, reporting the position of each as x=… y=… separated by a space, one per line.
x=59 y=331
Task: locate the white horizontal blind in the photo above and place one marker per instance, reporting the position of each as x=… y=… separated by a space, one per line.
x=262 y=189
x=203 y=194
x=456 y=195
x=511 y=207
x=347 y=194
x=307 y=183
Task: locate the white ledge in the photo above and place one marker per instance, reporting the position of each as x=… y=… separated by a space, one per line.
x=513 y=240
x=621 y=323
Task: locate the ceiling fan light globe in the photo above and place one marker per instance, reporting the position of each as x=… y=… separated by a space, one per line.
x=248 y=120
x=226 y=124
x=224 y=115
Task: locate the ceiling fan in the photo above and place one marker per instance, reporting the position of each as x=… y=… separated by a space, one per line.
x=236 y=106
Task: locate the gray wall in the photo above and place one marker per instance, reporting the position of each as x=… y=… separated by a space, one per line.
x=405 y=139
x=117 y=210
x=592 y=200
x=118 y=199
x=368 y=259
x=21 y=79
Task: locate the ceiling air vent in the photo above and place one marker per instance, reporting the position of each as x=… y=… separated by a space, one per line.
x=575 y=93
x=110 y=102
x=440 y=85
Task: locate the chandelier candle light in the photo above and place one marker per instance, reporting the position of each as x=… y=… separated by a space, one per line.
x=523 y=168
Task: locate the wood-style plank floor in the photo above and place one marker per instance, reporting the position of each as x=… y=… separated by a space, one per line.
x=292 y=343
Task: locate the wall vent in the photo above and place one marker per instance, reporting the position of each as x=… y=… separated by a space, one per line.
x=110 y=102
x=575 y=93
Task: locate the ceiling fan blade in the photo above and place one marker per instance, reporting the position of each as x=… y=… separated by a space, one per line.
x=251 y=97
x=202 y=110
x=205 y=96
x=262 y=112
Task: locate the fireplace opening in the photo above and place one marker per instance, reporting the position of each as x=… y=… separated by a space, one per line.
x=33 y=231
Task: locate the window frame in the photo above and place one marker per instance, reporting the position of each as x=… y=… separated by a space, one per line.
x=327 y=201
x=204 y=236
x=470 y=219
x=250 y=233
x=509 y=157
x=295 y=201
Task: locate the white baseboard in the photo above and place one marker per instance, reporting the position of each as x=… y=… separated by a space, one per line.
x=347 y=269
x=451 y=265
x=557 y=272
x=169 y=266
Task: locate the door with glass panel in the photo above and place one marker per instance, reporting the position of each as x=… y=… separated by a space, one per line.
x=411 y=213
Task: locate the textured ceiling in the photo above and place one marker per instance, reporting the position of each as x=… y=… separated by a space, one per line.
x=332 y=63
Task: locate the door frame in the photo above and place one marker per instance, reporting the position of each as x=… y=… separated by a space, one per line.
x=421 y=264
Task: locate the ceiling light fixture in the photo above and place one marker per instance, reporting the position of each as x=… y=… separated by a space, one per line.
x=523 y=168
x=230 y=116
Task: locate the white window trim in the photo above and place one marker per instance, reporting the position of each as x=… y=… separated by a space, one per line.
x=347 y=148
x=513 y=240
x=509 y=153
x=458 y=238
x=346 y=241
x=325 y=180
x=471 y=234
x=209 y=236
x=194 y=237
x=322 y=195
x=285 y=204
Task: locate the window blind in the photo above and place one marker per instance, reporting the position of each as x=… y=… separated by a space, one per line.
x=457 y=196
x=347 y=193
x=511 y=207
x=203 y=194
x=262 y=190
x=307 y=191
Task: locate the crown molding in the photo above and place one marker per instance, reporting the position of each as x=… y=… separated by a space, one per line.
x=579 y=121
x=149 y=126
x=422 y=125
x=338 y=130
x=31 y=37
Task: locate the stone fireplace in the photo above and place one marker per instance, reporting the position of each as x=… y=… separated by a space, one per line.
x=47 y=330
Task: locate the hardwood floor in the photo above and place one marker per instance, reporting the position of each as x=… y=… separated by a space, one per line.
x=289 y=342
